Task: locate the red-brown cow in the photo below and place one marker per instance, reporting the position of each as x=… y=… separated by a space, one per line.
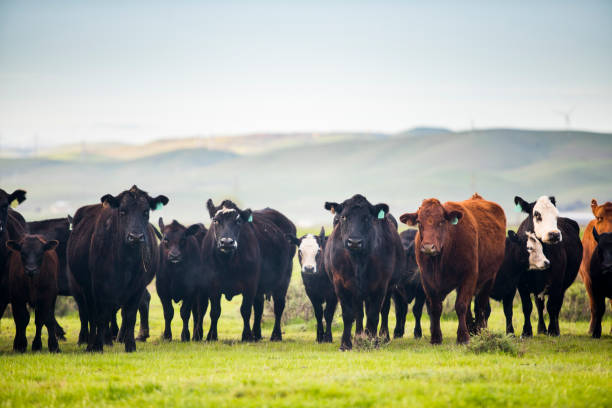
x=460 y=245
x=33 y=268
x=602 y=223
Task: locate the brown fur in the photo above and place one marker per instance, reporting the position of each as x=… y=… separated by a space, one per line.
x=603 y=224
x=470 y=254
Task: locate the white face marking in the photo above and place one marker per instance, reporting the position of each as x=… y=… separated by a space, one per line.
x=224 y=210
x=537 y=259
x=545 y=216
x=309 y=248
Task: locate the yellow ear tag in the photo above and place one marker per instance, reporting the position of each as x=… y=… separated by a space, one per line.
x=14 y=203
x=381 y=214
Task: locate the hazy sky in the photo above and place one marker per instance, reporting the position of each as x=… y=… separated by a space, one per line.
x=135 y=71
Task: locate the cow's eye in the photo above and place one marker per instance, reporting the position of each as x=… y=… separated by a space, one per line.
x=599 y=219
x=537 y=216
x=343 y=218
x=299 y=252
x=122 y=213
x=215 y=221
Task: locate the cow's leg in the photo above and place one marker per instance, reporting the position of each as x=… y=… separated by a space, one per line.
x=358 y=312
x=483 y=306
x=39 y=321
x=348 y=306
x=21 y=316
x=245 y=312
x=317 y=305
x=199 y=310
x=143 y=310
x=108 y=332
x=599 y=302
x=540 y=308
x=59 y=330
x=116 y=332
x=384 y=317
x=168 y=315
x=417 y=311
x=83 y=317
x=374 y=304
x=215 y=312
x=435 y=308
x=185 y=315
x=258 y=307
x=102 y=319
x=330 y=309
x=128 y=314
x=464 y=298
x=553 y=306
x=50 y=323
x=279 y=297
x=507 y=302
x=527 y=308
x=401 y=310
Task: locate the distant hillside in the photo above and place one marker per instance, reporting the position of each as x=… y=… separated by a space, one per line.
x=296 y=174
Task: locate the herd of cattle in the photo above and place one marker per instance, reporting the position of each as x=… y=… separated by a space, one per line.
x=107 y=254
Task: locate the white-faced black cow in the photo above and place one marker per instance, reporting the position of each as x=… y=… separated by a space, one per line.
x=562 y=247
x=112 y=257
x=12 y=226
x=404 y=288
x=317 y=283
x=180 y=276
x=362 y=253
x=246 y=252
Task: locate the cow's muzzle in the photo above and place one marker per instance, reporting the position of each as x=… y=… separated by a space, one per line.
x=430 y=249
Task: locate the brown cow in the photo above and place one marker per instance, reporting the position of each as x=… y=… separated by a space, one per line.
x=33 y=268
x=602 y=223
x=460 y=245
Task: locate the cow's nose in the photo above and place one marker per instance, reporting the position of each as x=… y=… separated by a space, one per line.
x=429 y=249
x=174 y=256
x=135 y=238
x=554 y=236
x=308 y=269
x=354 y=243
x=226 y=242
x=31 y=270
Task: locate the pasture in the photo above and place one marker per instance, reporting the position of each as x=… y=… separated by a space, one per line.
x=572 y=370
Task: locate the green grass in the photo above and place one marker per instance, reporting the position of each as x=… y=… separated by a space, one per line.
x=572 y=370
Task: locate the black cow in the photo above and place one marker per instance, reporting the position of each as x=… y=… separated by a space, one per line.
x=247 y=253
x=317 y=283
x=112 y=256
x=601 y=277
x=180 y=276
x=405 y=286
x=363 y=251
x=562 y=247
x=12 y=226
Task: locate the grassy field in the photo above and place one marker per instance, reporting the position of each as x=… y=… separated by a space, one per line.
x=573 y=370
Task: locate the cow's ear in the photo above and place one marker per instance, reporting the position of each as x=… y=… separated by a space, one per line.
x=409 y=218
x=160 y=222
x=453 y=216
x=523 y=205
x=19 y=195
x=594 y=206
x=193 y=229
x=211 y=208
x=247 y=215
x=514 y=237
x=379 y=210
x=595 y=235
x=50 y=245
x=553 y=200
x=292 y=239
x=110 y=200
x=322 y=234
x=13 y=245
x=334 y=208
x=158 y=202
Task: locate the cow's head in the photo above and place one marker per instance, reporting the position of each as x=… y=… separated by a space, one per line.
x=531 y=250
x=603 y=251
x=435 y=223
x=6 y=199
x=227 y=223
x=32 y=249
x=543 y=214
x=356 y=217
x=132 y=209
x=175 y=240
x=310 y=250
x=603 y=215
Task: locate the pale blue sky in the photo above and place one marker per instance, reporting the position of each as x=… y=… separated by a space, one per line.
x=136 y=71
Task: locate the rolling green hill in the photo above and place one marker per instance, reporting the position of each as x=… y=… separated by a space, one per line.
x=298 y=175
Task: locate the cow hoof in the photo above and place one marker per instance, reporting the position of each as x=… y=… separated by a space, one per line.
x=36 y=345
x=418 y=334
x=397 y=334
x=346 y=347
x=276 y=337
x=436 y=340
x=130 y=346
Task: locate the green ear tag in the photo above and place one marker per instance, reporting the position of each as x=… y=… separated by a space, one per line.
x=518 y=208
x=381 y=214
x=455 y=220
x=159 y=206
x=14 y=203
x=251 y=218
